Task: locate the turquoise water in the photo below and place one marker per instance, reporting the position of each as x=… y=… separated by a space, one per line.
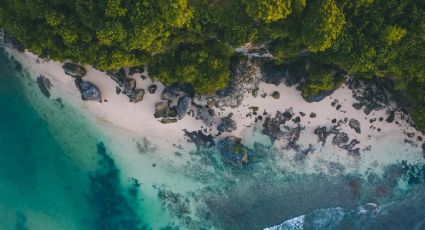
x=57 y=171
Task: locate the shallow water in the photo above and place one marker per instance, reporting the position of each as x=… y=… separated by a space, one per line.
x=59 y=169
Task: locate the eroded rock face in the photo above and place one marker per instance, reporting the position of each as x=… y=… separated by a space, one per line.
x=233 y=152
x=89 y=92
x=74 y=70
x=226 y=125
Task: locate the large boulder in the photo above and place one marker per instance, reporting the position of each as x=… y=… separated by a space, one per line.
x=203 y=114
x=355 y=124
x=136 y=95
x=226 y=125
x=233 y=152
x=163 y=109
x=89 y=92
x=74 y=70
x=183 y=106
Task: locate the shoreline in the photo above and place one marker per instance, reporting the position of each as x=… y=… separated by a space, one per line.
x=137 y=119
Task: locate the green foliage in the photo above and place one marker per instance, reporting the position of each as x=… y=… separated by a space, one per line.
x=191 y=42
x=320 y=79
x=205 y=67
x=322 y=25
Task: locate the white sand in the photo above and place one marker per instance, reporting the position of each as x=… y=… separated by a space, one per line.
x=138 y=119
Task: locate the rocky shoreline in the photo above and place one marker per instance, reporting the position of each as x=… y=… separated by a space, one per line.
x=284 y=126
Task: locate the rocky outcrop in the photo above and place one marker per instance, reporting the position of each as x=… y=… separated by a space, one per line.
x=199 y=139
x=136 y=95
x=183 y=106
x=370 y=94
x=340 y=138
x=279 y=128
x=163 y=109
x=205 y=115
x=136 y=69
x=168 y=120
x=44 y=84
x=233 y=152
x=276 y=95
x=355 y=124
x=226 y=125
x=127 y=86
x=89 y=92
x=319 y=96
x=74 y=70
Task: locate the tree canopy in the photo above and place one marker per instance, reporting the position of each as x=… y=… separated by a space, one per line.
x=191 y=41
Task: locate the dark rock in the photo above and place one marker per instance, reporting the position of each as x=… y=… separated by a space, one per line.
x=302 y=114
x=255 y=92
x=203 y=114
x=74 y=70
x=277 y=129
x=313 y=115
x=263 y=95
x=12 y=42
x=340 y=139
x=370 y=94
x=276 y=95
x=118 y=90
x=129 y=86
x=338 y=107
x=89 y=92
x=226 y=125
x=119 y=77
x=351 y=145
x=423 y=149
x=233 y=152
x=297 y=119
x=322 y=133
x=136 y=69
x=354 y=152
x=318 y=97
x=333 y=121
x=44 y=84
x=163 y=109
x=358 y=106
x=136 y=95
x=254 y=108
x=168 y=120
x=355 y=124
x=169 y=94
x=183 y=106
x=391 y=117
x=199 y=139
x=152 y=89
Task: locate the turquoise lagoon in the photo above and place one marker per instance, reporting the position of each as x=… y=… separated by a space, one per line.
x=61 y=170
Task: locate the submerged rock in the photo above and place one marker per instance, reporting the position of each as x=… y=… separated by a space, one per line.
x=355 y=124
x=340 y=139
x=183 y=106
x=226 y=125
x=74 y=70
x=163 y=109
x=44 y=84
x=233 y=152
x=199 y=139
x=89 y=92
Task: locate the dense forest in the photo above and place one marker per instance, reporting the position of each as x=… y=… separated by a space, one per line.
x=192 y=41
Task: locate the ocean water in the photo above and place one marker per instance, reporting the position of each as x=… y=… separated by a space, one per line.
x=59 y=169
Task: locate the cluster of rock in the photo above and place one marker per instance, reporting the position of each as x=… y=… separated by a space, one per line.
x=340 y=139
x=370 y=94
x=127 y=86
x=169 y=113
x=88 y=91
x=282 y=127
x=233 y=152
